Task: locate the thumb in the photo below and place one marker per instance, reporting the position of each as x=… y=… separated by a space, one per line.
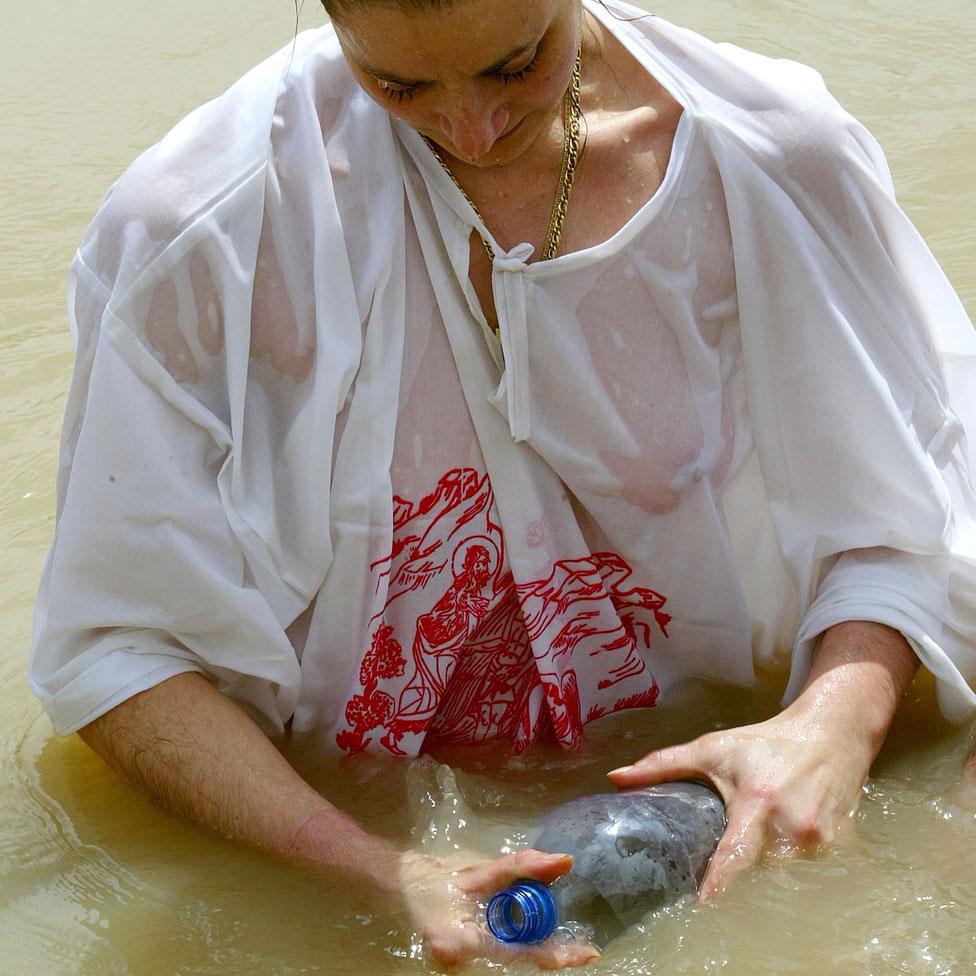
x=741 y=846
x=691 y=760
x=527 y=863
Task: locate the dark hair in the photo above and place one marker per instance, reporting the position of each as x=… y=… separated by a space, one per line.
x=335 y=8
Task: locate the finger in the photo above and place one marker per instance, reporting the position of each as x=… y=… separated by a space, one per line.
x=843 y=833
x=528 y=863
x=805 y=827
x=692 y=760
x=554 y=953
x=469 y=941
x=561 y=955
x=741 y=846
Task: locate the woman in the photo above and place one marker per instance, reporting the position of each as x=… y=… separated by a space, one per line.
x=343 y=456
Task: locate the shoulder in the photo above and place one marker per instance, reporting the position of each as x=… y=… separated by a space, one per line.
x=777 y=109
x=210 y=171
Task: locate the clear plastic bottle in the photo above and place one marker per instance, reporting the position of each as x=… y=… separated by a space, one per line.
x=633 y=852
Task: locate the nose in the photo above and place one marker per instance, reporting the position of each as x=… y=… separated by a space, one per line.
x=471 y=124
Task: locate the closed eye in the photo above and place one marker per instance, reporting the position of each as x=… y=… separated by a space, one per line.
x=506 y=77
x=397 y=93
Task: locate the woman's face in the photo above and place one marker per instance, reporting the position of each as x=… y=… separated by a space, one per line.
x=480 y=78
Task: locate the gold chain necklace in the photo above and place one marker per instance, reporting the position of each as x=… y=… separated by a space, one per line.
x=572 y=116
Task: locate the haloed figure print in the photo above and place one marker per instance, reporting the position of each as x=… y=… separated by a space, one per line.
x=489 y=656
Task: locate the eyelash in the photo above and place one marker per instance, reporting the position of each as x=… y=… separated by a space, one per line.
x=397 y=95
x=506 y=77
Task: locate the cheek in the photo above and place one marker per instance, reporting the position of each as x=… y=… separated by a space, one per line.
x=421 y=115
x=411 y=111
x=542 y=89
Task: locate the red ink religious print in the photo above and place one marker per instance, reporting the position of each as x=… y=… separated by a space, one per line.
x=461 y=653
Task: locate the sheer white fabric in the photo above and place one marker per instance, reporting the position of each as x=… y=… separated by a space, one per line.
x=756 y=401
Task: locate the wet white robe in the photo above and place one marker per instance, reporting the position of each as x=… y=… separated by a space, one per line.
x=296 y=460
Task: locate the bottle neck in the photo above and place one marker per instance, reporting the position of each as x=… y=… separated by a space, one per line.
x=524 y=912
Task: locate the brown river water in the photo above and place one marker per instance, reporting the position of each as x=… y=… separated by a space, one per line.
x=95 y=881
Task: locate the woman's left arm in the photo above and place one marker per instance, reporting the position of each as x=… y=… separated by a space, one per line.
x=796 y=777
x=966 y=794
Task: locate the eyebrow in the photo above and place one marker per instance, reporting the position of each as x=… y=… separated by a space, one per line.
x=417 y=82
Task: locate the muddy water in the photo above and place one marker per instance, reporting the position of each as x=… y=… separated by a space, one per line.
x=93 y=880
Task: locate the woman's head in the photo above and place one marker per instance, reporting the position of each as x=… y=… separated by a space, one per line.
x=336 y=8
x=480 y=78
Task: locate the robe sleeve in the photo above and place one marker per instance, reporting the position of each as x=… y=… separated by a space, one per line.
x=167 y=556
x=860 y=365
x=219 y=304
x=146 y=577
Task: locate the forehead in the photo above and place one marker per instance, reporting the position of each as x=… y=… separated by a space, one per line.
x=462 y=36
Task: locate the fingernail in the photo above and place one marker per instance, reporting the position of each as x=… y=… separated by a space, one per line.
x=620 y=769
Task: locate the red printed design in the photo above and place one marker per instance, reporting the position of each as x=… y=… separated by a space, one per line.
x=592 y=631
x=490 y=658
x=373 y=708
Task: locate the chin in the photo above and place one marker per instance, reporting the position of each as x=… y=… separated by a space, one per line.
x=490 y=159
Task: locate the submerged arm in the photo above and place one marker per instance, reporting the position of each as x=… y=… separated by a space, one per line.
x=198 y=755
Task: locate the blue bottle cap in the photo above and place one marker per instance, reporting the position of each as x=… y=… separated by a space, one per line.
x=525 y=912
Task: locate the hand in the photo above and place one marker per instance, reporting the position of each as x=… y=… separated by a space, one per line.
x=791 y=780
x=795 y=778
x=446 y=899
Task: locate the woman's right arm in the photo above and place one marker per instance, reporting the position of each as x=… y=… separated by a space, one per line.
x=197 y=754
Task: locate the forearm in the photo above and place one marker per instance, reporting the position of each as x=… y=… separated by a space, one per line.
x=197 y=754
x=859 y=675
x=194 y=752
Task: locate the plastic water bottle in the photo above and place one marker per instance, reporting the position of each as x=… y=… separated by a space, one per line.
x=633 y=852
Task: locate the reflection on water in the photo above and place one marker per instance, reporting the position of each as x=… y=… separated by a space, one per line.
x=94 y=880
